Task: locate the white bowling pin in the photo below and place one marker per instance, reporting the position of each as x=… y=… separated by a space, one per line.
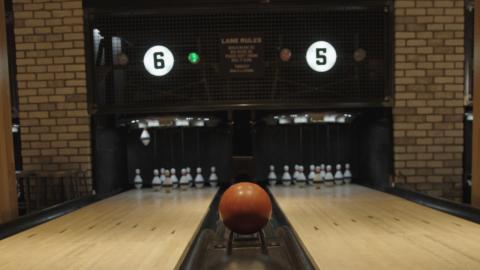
x=347 y=175
x=213 y=179
x=295 y=173
x=272 y=176
x=167 y=184
x=322 y=172
x=162 y=175
x=145 y=137
x=184 y=180
x=329 y=179
x=189 y=176
x=138 y=181
x=338 y=175
x=286 y=177
x=199 y=180
x=317 y=179
x=173 y=175
x=301 y=178
x=156 y=181
x=311 y=174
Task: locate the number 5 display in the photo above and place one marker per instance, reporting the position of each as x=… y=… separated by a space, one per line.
x=321 y=56
x=158 y=60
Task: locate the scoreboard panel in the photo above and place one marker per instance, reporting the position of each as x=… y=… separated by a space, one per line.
x=288 y=57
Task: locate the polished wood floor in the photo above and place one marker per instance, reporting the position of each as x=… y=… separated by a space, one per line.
x=139 y=229
x=346 y=227
x=353 y=227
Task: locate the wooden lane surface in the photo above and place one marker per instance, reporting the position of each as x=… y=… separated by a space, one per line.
x=138 y=229
x=353 y=227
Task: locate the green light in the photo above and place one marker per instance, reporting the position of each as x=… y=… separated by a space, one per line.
x=193 y=57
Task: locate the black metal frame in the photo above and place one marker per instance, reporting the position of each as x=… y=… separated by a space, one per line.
x=467 y=157
x=241 y=106
x=89 y=62
x=469 y=26
x=125 y=5
x=390 y=52
x=93 y=161
x=12 y=67
x=12 y=63
x=261 y=236
x=468 y=49
x=390 y=77
x=94 y=7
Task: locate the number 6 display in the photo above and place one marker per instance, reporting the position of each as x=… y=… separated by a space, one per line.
x=158 y=60
x=321 y=56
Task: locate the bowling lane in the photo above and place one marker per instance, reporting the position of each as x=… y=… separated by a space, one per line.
x=353 y=227
x=138 y=229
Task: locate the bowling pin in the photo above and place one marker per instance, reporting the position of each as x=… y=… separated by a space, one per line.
x=272 y=176
x=322 y=172
x=311 y=174
x=295 y=173
x=173 y=175
x=317 y=179
x=162 y=175
x=138 y=181
x=213 y=179
x=301 y=178
x=347 y=175
x=329 y=179
x=167 y=184
x=156 y=181
x=189 y=176
x=145 y=137
x=184 y=180
x=338 y=175
x=199 y=180
x=286 y=177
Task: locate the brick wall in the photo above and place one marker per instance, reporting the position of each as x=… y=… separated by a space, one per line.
x=52 y=85
x=428 y=113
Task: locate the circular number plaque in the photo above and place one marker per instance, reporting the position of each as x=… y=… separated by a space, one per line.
x=158 y=60
x=321 y=56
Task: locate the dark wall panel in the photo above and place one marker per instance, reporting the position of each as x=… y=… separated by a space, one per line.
x=110 y=157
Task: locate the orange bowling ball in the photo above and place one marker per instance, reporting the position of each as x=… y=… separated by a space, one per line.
x=245 y=208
